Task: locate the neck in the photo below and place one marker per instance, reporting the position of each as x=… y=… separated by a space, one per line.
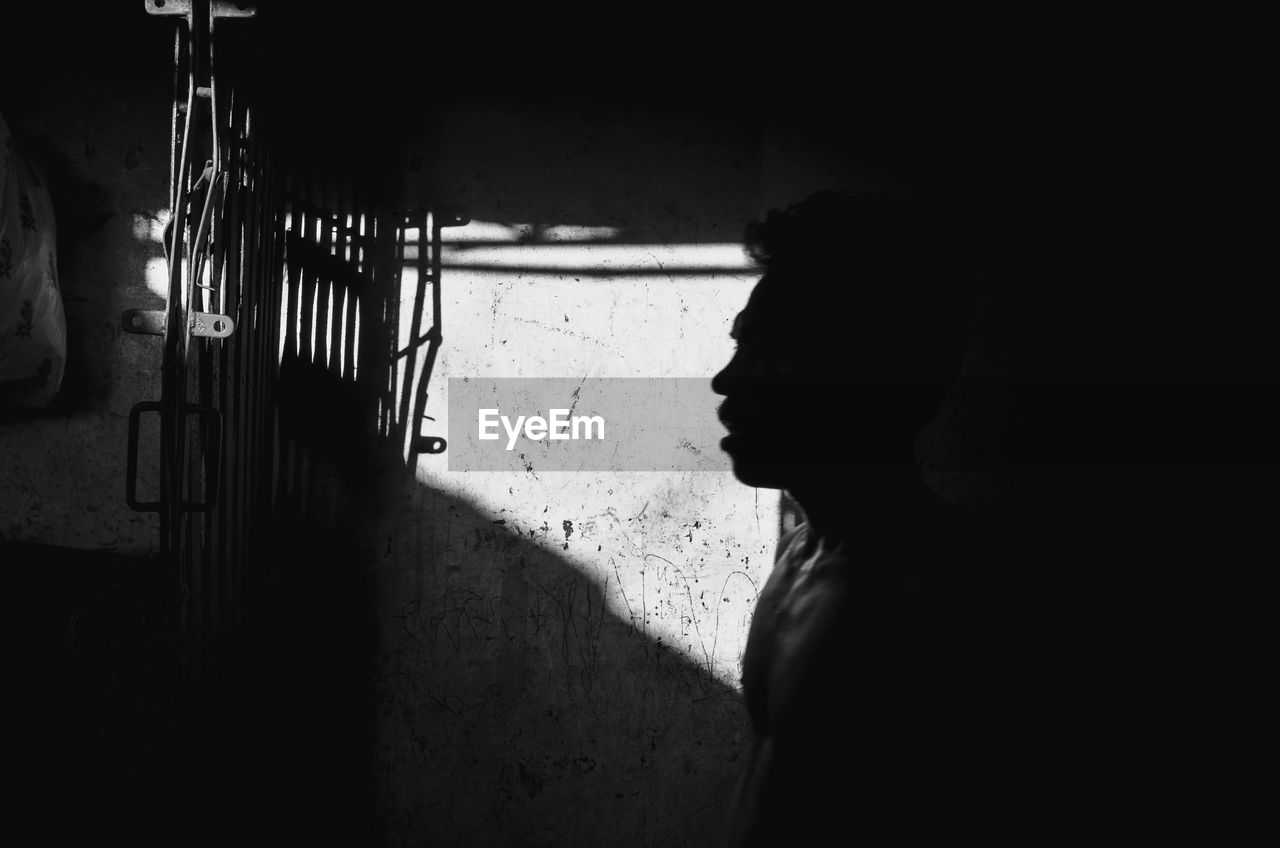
x=837 y=507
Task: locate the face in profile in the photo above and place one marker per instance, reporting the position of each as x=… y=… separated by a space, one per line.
x=847 y=344
x=768 y=387
x=818 y=389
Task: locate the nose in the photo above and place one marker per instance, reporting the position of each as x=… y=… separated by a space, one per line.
x=724 y=379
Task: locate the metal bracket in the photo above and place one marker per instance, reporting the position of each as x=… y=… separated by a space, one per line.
x=148 y=322
x=210 y=325
x=429 y=444
x=220 y=8
x=153 y=322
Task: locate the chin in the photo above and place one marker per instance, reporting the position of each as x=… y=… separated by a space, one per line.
x=750 y=465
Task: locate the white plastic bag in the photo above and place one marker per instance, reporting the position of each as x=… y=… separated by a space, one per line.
x=33 y=329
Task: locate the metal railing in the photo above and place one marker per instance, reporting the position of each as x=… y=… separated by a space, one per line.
x=285 y=359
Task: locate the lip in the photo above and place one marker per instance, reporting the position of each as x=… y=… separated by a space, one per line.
x=736 y=425
x=739 y=423
x=730 y=424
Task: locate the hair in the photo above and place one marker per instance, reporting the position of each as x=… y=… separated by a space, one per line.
x=821 y=224
x=837 y=256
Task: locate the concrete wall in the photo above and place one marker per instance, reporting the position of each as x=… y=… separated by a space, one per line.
x=98 y=124
x=558 y=653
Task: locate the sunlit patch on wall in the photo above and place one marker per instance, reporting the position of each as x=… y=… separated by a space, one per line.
x=593 y=257
x=494 y=232
x=150 y=227
x=678 y=556
x=157 y=275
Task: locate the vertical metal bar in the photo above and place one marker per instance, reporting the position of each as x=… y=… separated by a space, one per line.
x=269 y=270
x=182 y=479
x=428 y=269
x=200 y=547
x=213 y=362
x=235 y=442
x=409 y=346
x=271 y=362
x=243 y=220
x=357 y=290
x=196 y=355
x=269 y=285
x=221 y=355
x=178 y=115
x=396 y=282
x=173 y=362
x=204 y=360
x=371 y=314
x=386 y=323
x=306 y=332
x=341 y=286
x=297 y=227
x=323 y=284
x=311 y=237
x=170 y=585
x=291 y=269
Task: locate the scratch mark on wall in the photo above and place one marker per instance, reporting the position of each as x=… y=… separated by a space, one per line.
x=692 y=617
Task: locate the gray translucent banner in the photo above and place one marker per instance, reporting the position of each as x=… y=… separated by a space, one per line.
x=593 y=424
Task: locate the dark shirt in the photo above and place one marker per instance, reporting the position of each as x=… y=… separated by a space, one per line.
x=942 y=692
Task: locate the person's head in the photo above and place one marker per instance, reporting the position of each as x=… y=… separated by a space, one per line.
x=848 y=342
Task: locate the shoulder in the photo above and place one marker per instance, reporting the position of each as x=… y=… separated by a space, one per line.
x=796 y=536
x=787 y=558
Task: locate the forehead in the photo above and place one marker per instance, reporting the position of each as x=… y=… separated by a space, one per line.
x=768 y=311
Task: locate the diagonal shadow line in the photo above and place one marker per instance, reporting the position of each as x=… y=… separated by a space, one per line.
x=472 y=685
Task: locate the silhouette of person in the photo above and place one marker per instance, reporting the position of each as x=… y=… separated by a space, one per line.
x=845 y=350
